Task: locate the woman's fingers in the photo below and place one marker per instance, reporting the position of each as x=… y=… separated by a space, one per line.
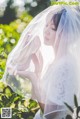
x=27 y=74
x=38 y=62
x=35 y=44
x=27 y=38
x=37 y=41
x=21 y=74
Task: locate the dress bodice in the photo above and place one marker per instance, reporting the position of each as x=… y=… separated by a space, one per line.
x=59 y=81
x=58 y=85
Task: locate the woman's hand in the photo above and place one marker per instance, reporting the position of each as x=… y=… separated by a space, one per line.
x=38 y=62
x=35 y=45
x=35 y=56
x=37 y=59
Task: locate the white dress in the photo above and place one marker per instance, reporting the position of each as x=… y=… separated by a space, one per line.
x=59 y=85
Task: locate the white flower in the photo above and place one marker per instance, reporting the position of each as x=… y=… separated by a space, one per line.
x=1 y=31
x=5 y=39
x=34 y=4
x=12 y=41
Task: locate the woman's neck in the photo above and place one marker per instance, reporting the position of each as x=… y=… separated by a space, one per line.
x=58 y=54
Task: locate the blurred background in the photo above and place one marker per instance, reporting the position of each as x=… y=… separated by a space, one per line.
x=15 y=15
x=12 y=9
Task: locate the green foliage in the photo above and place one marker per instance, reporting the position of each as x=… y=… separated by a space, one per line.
x=68 y=117
x=76 y=107
x=12 y=10
x=75 y=104
x=9 y=36
x=75 y=101
x=9 y=13
x=36 y=6
x=69 y=107
x=21 y=108
x=20 y=24
x=53 y=2
x=8 y=39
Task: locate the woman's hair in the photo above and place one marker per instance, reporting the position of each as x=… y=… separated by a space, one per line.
x=56 y=18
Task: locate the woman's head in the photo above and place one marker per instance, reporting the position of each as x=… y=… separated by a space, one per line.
x=52 y=22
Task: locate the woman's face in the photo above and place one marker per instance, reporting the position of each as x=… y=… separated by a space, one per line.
x=49 y=31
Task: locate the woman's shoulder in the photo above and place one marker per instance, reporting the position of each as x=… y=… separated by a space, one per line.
x=66 y=60
x=66 y=63
x=63 y=70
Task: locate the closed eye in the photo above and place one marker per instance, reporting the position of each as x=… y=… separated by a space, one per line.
x=54 y=29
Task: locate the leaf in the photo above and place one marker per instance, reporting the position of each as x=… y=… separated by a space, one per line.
x=69 y=107
x=68 y=117
x=75 y=101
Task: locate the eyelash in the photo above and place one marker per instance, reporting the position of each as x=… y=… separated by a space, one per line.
x=53 y=29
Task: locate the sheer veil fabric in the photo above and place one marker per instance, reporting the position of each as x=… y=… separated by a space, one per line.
x=56 y=76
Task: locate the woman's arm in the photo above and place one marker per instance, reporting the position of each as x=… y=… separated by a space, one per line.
x=38 y=62
x=37 y=59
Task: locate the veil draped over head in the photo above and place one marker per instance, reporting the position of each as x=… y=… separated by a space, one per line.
x=42 y=77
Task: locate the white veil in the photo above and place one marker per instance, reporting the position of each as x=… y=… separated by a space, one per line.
x=32 y=42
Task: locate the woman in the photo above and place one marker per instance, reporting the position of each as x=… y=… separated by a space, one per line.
x=55 y=30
